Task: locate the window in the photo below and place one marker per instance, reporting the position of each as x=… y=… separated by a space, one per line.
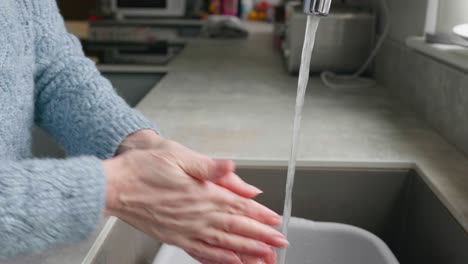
x=443 y=15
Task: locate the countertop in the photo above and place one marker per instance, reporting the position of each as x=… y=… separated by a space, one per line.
x=78 y=27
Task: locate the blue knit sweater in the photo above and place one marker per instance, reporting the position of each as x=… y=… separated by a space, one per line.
x=45 y=78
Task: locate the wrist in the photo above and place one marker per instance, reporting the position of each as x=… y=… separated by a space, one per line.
x=142 y=139
x=115 y=171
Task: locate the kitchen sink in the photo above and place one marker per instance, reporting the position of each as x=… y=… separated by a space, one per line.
x=158 y=53
x=395 y=204
x=132 y=86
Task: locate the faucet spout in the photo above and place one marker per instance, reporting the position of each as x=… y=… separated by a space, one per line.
x=317 y=7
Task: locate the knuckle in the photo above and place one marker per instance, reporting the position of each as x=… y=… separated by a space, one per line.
x=229 y=225
x=216 y=239
x=232 y=210
x=197 y=231
x=247 y=248
x=240 y=205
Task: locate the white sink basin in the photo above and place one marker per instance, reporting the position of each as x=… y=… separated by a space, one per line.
x=314 y=242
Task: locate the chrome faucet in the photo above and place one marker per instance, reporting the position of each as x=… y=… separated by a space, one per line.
x=317 y=7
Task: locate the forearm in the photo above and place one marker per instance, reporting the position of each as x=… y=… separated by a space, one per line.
x=90 y=122
x=46 y=202
x=74 y=103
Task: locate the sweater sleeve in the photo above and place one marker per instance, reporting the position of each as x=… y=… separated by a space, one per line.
x=74 y=103
x=45 y=202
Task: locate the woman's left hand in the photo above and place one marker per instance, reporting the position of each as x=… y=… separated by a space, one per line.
x=148 y=139
x=222 y=173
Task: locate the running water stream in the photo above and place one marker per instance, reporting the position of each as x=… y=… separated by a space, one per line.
x=309 y=41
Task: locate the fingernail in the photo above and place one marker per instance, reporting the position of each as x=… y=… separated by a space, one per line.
x=274 y=220
x=256 y=190
x=273 y=214
x=279 y=235
x=277 y=217
x=281 y=242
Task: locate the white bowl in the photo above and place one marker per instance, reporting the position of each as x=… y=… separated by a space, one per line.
x=314 y=242
x=461 y=30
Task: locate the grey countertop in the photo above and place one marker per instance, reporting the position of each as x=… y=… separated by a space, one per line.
x=234 y=99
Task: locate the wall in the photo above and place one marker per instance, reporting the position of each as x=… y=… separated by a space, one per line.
x=408 y=18
x=436 y=91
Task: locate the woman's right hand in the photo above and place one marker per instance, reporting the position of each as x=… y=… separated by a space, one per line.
x=149 y=190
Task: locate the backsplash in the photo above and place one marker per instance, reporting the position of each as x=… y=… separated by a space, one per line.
x=438 y=92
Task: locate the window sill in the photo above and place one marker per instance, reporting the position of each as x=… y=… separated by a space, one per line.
x=453 y=55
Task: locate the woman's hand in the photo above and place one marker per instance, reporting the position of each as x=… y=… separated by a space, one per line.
x=159 y=191
x=220 y=172
x=271 y=259
x=193 y=163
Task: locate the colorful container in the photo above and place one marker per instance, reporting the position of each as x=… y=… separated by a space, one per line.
x=230 y=7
